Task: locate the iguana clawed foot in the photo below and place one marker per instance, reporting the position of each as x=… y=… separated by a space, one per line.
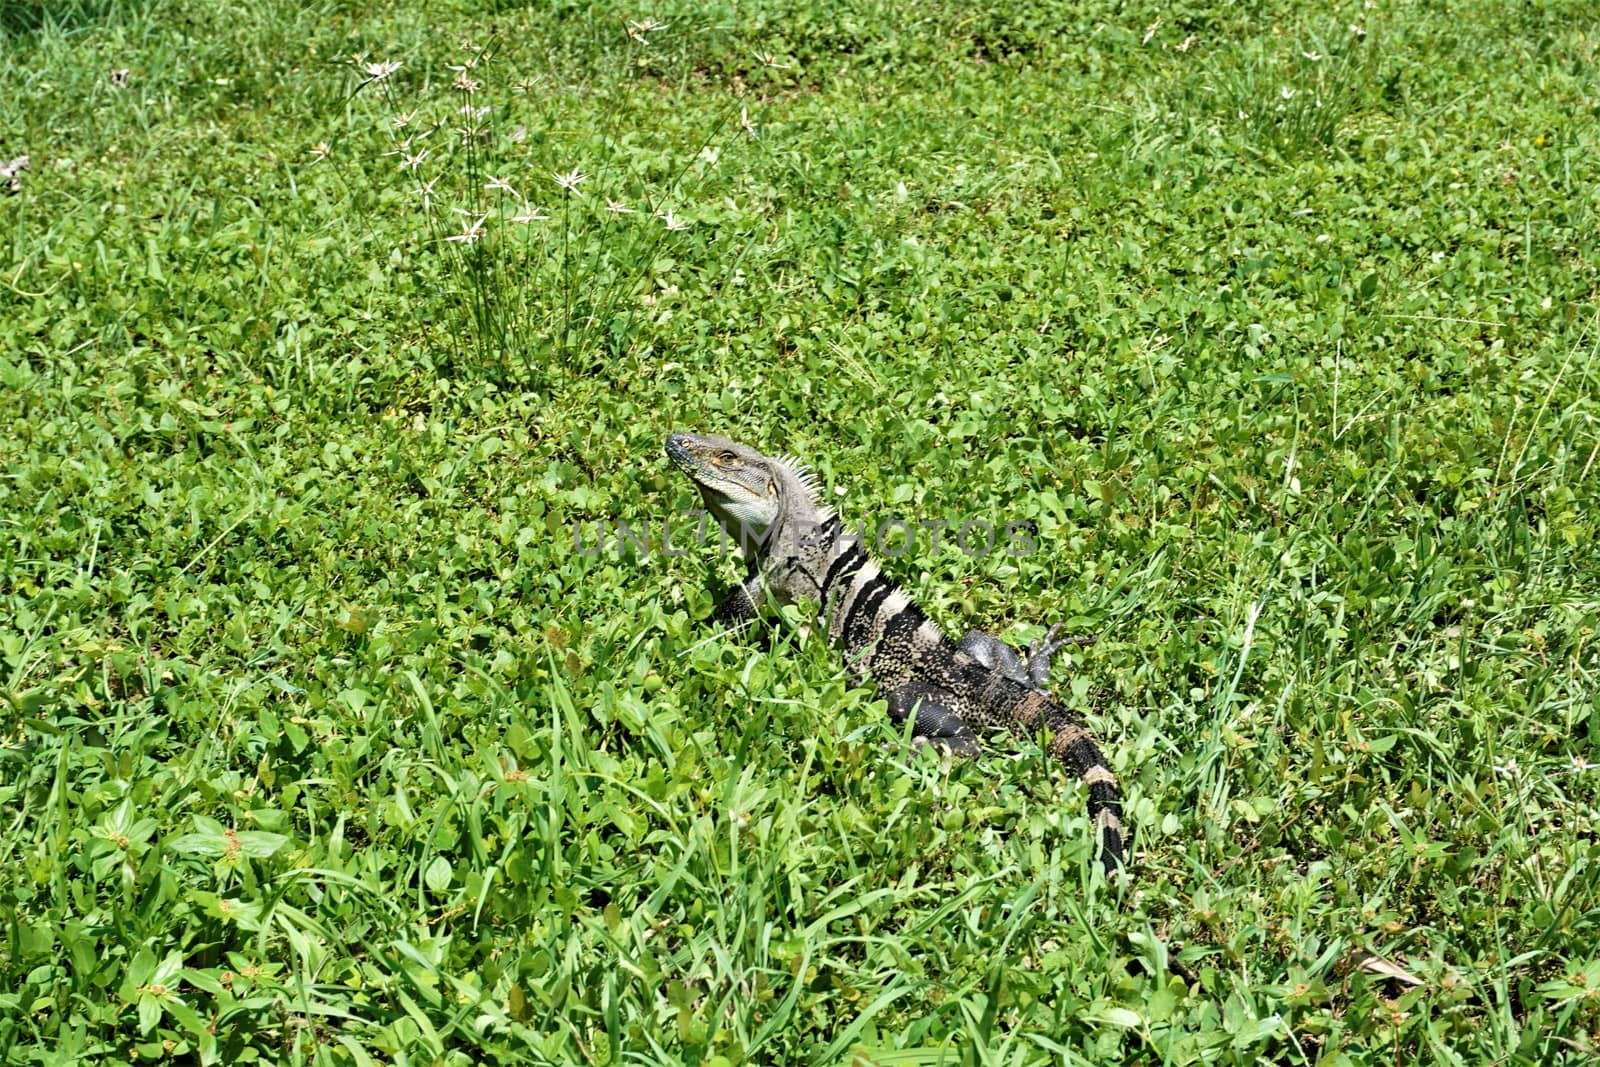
x=1034 y=671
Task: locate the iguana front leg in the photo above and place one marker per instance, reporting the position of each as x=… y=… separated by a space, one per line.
x=1033 y=672
x=936 y=723
x=743 y=604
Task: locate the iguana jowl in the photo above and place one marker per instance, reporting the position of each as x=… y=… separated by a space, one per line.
x=797 y=549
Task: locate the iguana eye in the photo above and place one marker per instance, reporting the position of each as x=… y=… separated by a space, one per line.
x=730 y=459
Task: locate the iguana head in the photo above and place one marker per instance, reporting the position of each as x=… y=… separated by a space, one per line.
x=747 y=492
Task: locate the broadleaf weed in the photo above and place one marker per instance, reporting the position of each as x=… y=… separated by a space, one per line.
x=544 y=260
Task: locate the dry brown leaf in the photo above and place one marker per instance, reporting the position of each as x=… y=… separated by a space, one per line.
x=1387 y=969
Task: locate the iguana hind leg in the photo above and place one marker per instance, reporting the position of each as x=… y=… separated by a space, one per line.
x=936 y=723
x=1034 y=671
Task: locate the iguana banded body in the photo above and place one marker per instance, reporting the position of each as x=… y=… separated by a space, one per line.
x=798 y=549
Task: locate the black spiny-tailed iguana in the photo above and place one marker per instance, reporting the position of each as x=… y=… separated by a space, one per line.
x=797 y=549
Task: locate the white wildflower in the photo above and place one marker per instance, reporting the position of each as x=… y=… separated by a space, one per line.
x=425 y=190
x=570 y=181
x=377 y=72
x=471 y=229
x=640 y=28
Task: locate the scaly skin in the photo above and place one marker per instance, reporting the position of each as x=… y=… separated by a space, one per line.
x=798 y=549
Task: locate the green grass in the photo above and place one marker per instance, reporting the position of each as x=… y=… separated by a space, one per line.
x=322 y=743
